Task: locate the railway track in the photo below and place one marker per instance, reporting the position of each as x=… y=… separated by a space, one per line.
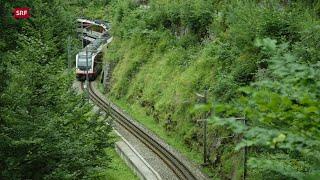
x=178 y=167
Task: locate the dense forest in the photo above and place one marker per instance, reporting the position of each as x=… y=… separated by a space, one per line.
x=256 y=61
x=47 y=131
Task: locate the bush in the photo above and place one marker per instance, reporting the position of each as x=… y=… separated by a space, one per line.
x=283 y=112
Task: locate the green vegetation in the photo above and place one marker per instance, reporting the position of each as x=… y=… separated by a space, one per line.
x=283 y=116
x=118 y=169
x=95 y=9
x=46 y=130
x=255 y=59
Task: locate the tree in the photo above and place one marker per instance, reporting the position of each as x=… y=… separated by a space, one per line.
x=47 y=131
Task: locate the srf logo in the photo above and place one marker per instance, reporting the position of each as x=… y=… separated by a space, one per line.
x=21 y=13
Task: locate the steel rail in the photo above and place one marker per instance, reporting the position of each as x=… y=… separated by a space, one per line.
x=181 y=170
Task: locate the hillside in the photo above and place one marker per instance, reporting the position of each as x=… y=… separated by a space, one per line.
x=253 y=59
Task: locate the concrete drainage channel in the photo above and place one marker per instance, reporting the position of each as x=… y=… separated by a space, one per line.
x=134 y=160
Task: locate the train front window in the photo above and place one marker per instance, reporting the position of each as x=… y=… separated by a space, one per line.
x=82 y=61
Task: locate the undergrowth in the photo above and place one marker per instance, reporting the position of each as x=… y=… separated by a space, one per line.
x=166 y=53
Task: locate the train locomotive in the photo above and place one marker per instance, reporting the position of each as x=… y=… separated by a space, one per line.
x=92 y=67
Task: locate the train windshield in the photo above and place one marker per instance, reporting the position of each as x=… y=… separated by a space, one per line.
x=82 y=61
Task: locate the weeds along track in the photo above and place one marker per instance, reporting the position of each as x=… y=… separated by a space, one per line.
x=181 y=170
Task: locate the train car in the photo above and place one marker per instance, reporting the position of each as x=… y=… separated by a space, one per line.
x=88 y=63
x=94 y=28
x=89 y=60
x=85 y=22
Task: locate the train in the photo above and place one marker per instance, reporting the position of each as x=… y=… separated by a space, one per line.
x=95 y=36
x=88 y=63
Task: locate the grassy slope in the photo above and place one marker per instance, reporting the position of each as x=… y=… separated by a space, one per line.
x=118 y=169
x=163 y=60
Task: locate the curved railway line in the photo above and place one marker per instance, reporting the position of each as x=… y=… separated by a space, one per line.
x=178 y=167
